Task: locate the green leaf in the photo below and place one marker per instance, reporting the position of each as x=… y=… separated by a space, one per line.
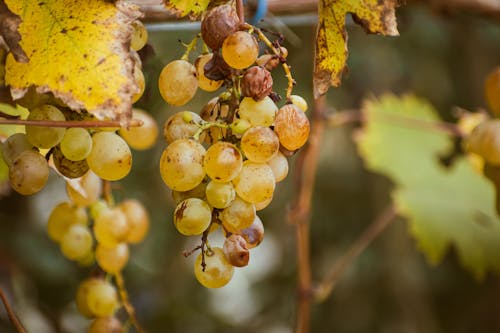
x=444 y=207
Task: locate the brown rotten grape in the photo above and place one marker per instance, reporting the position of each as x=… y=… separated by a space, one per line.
x=257 y=83
x=236 y=250
x=492 y=90
x=217 y=24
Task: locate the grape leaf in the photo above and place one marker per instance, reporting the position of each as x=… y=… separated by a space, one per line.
x=444 y=207
x=191 y=8
x=9 y=23
x=375 y=16
x=79 y=51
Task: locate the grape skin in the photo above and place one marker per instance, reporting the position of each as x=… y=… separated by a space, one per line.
x=76 y=144
x=176 y=127
x=111 y=227
x=45 y=137
x=106 y=325
x=492 y=91
x=239 y=215
x=255 y=183
x=254 y=234
x=240 y=50
x=137 y=220
x=110 y=158
x=258 y=113
x=91 y=187
x=68 y=168
x=292 y=127
x=299 y=101
x=218 y=271
x=222 y=162
x=178 y=82
x=279 y=166
x=484 y=140
x=82 y=294
x=13 y=146
x=102 y=298
x=29 y=172
x=141 y=137
x=112 y=259
x=192 y=216
x=197 y=192
x=220 y=195
x=139 y=36
x=62 y=217
x=260 y=144
x=77 y=242
x=204 y=82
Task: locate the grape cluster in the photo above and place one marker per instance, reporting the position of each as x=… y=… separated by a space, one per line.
x=223 y=164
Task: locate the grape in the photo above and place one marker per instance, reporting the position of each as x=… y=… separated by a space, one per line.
x=111 y=227
x=255 y=183
x=91 y=188
x=82 y=295
x=143 y=137
x=137 y=220
x=97 y=208
x=218 y=23
x=178 y=82
x=69 y=169
x=218 y=271
x=45 y=137
x=239 y=215
x=139 y=36
x=110 y=157
x=140 y=81
x=102 y=298
x=299 y=101
x=279 y=166
x=260 y=144
x=88 y=260
x=176 y=127
x=292 y=127
x=258 y=113
x=263 y=204
x=77 y=242
x=192 y=216
x=484 y=140
x=29 y=172
x=106 y=325
x=181 y=164
x=240 y=126
x=112 y=259
x=254 y=234
x=212 y=112
x=492 y=90
x=197 y=192
x=13 y=146
x=236 y=250
x=204 y=82
x=222 y=162
x=76 y=144
x=220 y=195
x=240 y=50
x=268 y=61
x=62 y=217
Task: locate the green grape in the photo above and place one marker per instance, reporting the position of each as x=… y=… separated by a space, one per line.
x=236 y=250
x=204 y=82
x=260 y=144
x=140 y=81
x=139 y=36
x=62 y=217
x=102 y=298
x=258 y=113
x=263 y=204
x=111 y=227
x=69 y=169
x=192 y=216
x=29 y=172
x=90 y=189
x=181 y=125
x=220 y=195
x=112 y=259
x=492 y=90
x=13 y=146
x=254 y=234
x=222 y=162
x=76 y=144
x=240 y=50
x=239 y=126
x=218 y=271
x=106 y=325
x=181 y=164
x=279 y=166
x=292 y=127
x=82 y=295
x=110 y=157
x=97 y=208
x=197 y=192
x=484 y=140
x=143 y=137
x=178 y=82
x=45 y=137
x=137 y=220
x=77 y=242
x=299 y=101
x=239 y=215
x=255 y=183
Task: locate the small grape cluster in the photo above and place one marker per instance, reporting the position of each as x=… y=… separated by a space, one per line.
x=223 y=164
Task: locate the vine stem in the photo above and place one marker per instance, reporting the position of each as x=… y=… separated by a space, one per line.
x=129 y=308
x=12 y=316
x=190 y=47
x=325 y=287
x=72 y=123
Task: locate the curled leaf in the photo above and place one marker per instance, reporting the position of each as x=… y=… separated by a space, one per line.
x=9 y=23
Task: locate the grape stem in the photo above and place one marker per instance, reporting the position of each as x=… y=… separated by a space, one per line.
x=129 y=308
x=240 y=11
x=72 y=123
x=12 y=316
x=190 y=47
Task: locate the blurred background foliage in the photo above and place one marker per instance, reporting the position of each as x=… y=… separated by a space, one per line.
x=390 y=288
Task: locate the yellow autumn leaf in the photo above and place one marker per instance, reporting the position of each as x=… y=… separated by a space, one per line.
x=193 y=8
x=79 y=51
x=375 y=16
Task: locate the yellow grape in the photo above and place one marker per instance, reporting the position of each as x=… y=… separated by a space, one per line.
x=255 y=183
x=91 y=188
x=192 y=216
x=263 y=204
x=76 y=144
x=29 y=172
x=220 y=195
x=112 y=259
x=102 y=298
x=111 y=227
x=492 y=91
x=137 y=220
x=484 y=140
x=260 y=144
x=181 y=164
x=140 y=81
x=106 y=325
x=239 y=215
x=181 y=125
x=13 y=146
x=240 y=50
x=142 y=137
x=178 y=82
x=76 y=243
x=254 y=234
x=258 y=113
x=204 y=82
x=222 y=162
x=139 y=36
x=218 y=271
x=292 y=127
x=97 y=208
x=45 y=137
x=62 y=217
x=197 y=192
x=279 y=166
x=299 y=101
x=239 y=126
x=82 y=295
x=110 y=158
